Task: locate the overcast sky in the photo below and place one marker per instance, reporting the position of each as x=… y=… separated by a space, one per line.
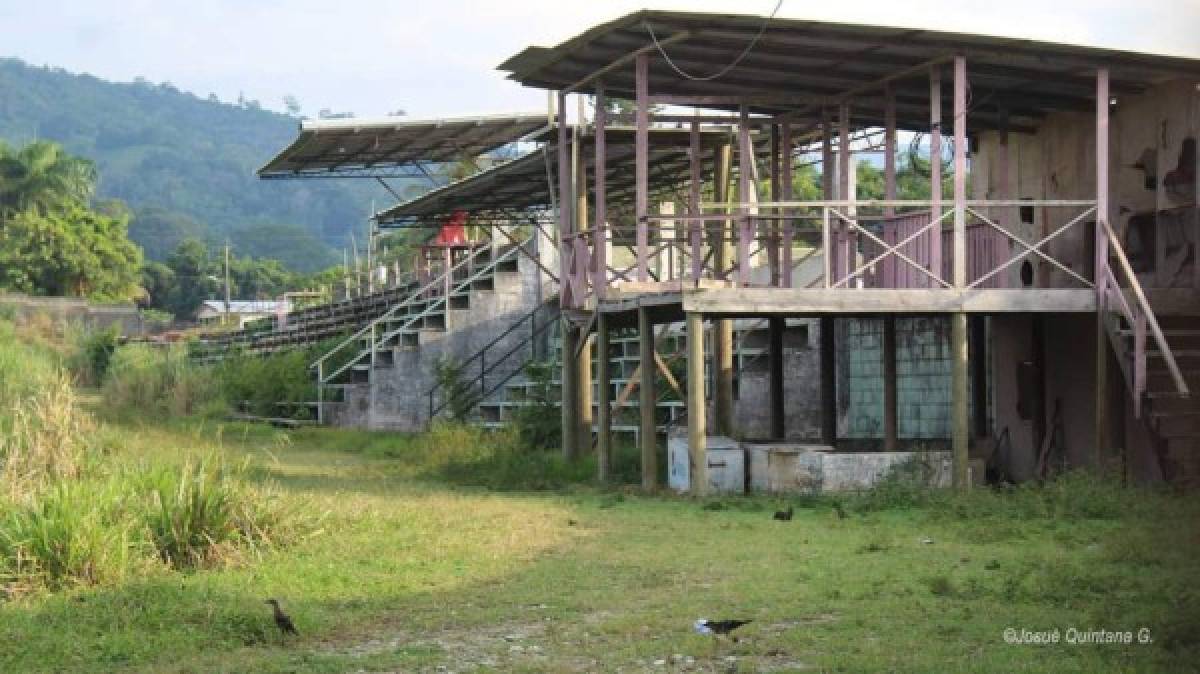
x=438 y=57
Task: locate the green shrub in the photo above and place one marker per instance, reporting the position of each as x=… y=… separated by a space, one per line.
x=158 y=379
x=539 y=423
x=93 y=354
x=459 y=397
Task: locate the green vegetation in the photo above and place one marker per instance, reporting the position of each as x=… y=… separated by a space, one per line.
x=186 y=164
x=77 y=511
x=52 y=241
x=410 y=573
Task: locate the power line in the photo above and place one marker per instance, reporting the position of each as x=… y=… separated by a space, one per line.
x=732 y=64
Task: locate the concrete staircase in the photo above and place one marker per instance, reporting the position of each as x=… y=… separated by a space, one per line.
x=394 y=343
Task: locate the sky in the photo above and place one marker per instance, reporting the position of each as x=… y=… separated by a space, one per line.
x=438 y=58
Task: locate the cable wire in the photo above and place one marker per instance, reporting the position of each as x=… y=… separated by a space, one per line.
x=733 y=64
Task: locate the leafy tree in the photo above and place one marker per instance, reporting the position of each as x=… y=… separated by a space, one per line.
x=71 y=251
x=42 y=177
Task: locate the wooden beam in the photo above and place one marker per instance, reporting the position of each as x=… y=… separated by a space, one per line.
x=604 y=408
x=641 y=163
x=863 y=301
x=696 y=406
x=722 y=329
x=935 y=166
x=960 y=172
x=745 y=169
x=775 y=329
x=959 y=434
x=569 y=390
x=890 y=400
x=786 y=195
x=696 y=229
x=1100 y=264
x=828 y=382
x=648 y=433
x=600 y=196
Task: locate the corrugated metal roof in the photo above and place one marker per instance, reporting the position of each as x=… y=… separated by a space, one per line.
x=801 y=66
x=524 y=184
x=394 y=145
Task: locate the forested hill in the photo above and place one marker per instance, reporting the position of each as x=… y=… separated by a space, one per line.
x=185 y=164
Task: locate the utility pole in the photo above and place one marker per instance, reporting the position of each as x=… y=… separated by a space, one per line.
x=227 y=303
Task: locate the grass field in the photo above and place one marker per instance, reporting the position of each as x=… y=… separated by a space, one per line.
x=407 y=573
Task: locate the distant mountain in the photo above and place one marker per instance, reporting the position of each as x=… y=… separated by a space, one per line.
x=185 y=164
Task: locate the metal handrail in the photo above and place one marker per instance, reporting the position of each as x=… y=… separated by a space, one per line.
x=485 y=369
x=1147 y=314
x=439 y=280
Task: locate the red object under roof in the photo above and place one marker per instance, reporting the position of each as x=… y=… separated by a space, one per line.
x=453 y=231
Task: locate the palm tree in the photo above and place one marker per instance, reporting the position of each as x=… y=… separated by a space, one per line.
x=43 y=177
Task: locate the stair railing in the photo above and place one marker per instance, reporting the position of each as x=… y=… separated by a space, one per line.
x=486 y=367
x=372 y=329
x=1140 y=317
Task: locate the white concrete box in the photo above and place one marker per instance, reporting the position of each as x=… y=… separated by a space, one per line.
x=726 y=465
x=787 y=467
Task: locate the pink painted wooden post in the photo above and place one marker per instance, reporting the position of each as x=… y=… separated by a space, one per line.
x=888 y=268
x=772 y=229
x=745 y=157
x=600 y=226
x=1101 y=261
x=828 y=240
x=845 y=166
x=696 y=226
x=999 y=241
x=935 y=172
x=786 y=195
x=566 y=296
x=960 y=171
x=642 y=162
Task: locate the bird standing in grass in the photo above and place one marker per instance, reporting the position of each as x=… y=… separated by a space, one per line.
x=282 y=619
x=784 y=515
x=718 y=627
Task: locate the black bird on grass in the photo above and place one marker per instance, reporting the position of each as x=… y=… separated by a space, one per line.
x=784 y=515
x=721 y=627
x=282 y=619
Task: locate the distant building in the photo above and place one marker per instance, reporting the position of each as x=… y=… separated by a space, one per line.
x=213 y=311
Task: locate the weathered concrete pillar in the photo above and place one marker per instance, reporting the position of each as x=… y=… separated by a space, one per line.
x=647 y=432
x=775 y=328
x=828 y=382
x=890 y=421
x=958 y=393
x=697 y=424
x=604 y=400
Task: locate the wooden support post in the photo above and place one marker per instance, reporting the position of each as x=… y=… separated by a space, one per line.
x=772 y=229
x=890 y=405
x=999 y=242
x=828 y=382
x=604 y=408
x=979 y=379
x=723 y=328
x=848 y=238
x=786 y=195
x=641 y=162
x=565 y=253
x=569 y=390
x=960 y=436
x=583 y=354
x=960 y=172
x=889 y=147
x=600 y=228
x=695 y=227
x=647 y=397
x=745 y=170
x=775 y=328
x=1103 y=441
x=696 y=406
x=935 y=173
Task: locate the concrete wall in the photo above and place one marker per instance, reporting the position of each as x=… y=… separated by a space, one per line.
x=801 y=383
x=79 y=312
x=397 y=397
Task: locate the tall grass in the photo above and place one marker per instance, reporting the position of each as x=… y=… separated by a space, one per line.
x=70 y=513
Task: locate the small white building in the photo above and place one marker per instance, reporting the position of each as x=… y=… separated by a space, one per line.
x=212 y=312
